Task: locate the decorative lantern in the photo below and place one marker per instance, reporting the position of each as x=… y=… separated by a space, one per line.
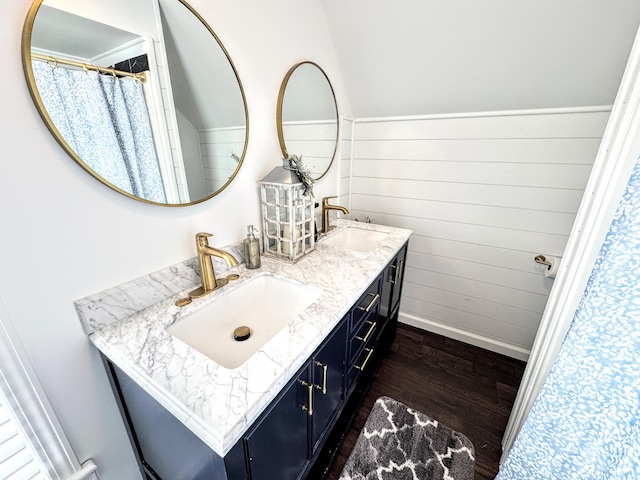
x=288 y=225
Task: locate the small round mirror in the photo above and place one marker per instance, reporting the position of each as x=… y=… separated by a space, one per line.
x=141 y=94
x=307 y=117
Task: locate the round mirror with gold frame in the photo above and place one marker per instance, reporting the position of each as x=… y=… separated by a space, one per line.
x=142 y=94
x=307 y=117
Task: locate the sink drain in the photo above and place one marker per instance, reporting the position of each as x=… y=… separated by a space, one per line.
x=241 y=334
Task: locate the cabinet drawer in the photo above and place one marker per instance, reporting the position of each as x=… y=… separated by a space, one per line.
x=363 y=336
x=361 y=363
x=368 y=302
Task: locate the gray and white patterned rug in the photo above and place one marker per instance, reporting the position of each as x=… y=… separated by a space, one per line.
x=399 y=443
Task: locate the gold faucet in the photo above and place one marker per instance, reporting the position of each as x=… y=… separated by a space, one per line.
x=326 y=228
x=207 y=275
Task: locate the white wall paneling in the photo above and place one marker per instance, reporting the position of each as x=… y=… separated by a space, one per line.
x=346 y=155
x=483 y=193
x=614 y=163
x=217 y=146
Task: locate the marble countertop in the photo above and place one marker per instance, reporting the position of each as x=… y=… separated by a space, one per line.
x=218 y=404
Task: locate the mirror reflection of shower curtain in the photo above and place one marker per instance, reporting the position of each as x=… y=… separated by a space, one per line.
x=105 y=120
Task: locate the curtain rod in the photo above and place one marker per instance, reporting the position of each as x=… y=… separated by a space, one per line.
x=139 y=76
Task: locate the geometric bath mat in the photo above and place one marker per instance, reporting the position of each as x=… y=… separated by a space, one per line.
x=399 y=443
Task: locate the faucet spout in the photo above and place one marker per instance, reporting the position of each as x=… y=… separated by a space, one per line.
x=226 y=256
x=325 y=214
x=207 y=274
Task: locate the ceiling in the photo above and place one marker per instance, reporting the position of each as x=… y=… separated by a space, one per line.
x=53 y=32
x=417 y=57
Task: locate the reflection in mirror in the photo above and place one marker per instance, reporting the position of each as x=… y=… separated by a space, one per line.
x=307 y=117
x=142 y=94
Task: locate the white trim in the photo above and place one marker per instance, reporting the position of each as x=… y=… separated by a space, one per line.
x=614 y=162
x=159 y=124
x=465 y=336
x=497 y=113
x=29 y=403
x=88 y=470
x=352 y=146
x=129 y=49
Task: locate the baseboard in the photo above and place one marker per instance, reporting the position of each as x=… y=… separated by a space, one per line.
x=471 y=338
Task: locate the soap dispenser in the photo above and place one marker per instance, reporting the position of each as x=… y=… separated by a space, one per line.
x=251 y=249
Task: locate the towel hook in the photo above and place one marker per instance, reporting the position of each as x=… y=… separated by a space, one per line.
x=542 y=260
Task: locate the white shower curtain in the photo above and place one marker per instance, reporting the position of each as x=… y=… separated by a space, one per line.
x=105 y=120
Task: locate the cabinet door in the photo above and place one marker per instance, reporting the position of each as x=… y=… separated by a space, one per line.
x=278 y=447
x=392 y=284
x=328 y=372
x=167 y=449
x=398 y=276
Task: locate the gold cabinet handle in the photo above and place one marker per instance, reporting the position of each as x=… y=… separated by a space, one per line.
x=323 y=388
x=308 y=408
x=394 y=276
x=366 y=360
x=371 y=303
x=371 y=329
x=397 y=269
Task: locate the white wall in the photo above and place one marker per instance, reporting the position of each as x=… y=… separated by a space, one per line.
x=417 y=57
x=483 y=194
x=64 y=235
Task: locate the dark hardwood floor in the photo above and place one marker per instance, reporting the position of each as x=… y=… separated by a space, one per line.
x=467 y=388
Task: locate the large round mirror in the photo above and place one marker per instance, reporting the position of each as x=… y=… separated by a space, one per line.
x=307 y=117
x=141 y=93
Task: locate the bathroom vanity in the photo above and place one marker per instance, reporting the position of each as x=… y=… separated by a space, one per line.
x=282 y=413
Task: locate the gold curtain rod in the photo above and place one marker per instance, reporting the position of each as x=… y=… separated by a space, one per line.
x=140 y=76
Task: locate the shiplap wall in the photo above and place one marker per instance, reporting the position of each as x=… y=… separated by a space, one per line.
x=346 y=152
x=483 y=194
x=313 y=141
x=217 y=145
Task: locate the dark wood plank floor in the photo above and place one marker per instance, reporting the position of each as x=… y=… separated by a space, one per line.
x=467 y=388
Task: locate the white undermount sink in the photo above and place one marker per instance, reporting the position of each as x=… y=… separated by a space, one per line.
x=265 y=304
x=354 y=238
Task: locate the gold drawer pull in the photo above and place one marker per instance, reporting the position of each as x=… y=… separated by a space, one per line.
x=393 y=276
x=397 y=269
x=308 y=409
x=371 y=329
x=323 y=388
x=366 y=360
x=371 y=304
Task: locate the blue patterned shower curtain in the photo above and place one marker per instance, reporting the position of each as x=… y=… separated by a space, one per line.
x=585 y=423
x=105 y=120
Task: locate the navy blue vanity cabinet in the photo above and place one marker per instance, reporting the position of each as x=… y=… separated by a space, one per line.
x=363 y=332
x=329 y=383
x=283 y=442
x=165 y=448
x=299 y=434
x=277 y=446
x=393 y=276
